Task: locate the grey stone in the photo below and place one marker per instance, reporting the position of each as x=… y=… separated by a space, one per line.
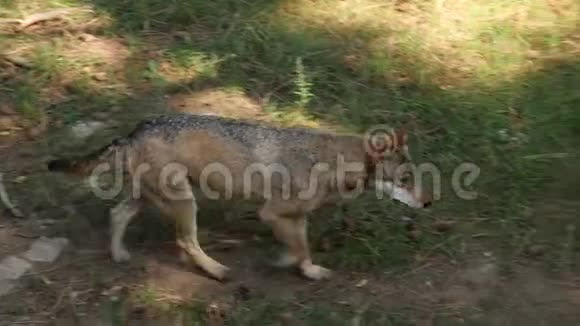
x=45 y=249
x=85 y=129
x=12 y=267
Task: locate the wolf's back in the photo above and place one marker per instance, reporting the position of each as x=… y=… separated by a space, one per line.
x=255 y=137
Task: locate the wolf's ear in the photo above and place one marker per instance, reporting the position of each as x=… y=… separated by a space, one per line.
x=400 y=137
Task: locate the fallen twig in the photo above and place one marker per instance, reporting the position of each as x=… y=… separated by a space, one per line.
x=6 y=201
x=40 y=17
x=43 y=16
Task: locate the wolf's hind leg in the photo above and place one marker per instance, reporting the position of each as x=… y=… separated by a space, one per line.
x=121 y=216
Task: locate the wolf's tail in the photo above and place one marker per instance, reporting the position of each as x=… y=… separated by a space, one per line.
x=83 y=165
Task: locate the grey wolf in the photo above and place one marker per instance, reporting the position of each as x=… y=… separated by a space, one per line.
x=299 y=171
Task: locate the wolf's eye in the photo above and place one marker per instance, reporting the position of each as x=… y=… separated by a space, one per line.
x=405 y=178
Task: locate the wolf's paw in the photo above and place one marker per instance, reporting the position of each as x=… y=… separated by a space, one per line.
x=218 y=271
x=315 y=272
x=120 y=255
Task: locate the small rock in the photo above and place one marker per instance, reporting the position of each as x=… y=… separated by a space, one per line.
x=362 y=283
x=83 y=130
x=45 y=249
x=12 y=267
x=99 y=76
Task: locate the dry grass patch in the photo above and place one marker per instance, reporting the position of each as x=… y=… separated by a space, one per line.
x=224 y=102
x=447 y=42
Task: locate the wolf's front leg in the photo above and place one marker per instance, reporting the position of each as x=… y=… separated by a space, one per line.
x=310 y=270
x=185 y=213
x=292 y=231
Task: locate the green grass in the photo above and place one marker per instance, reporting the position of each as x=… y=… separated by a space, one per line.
x=488 y=82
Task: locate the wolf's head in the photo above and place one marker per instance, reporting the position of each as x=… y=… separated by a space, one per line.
x=391 y=166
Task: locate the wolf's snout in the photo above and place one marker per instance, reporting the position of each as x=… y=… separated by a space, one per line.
x=414 y=198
